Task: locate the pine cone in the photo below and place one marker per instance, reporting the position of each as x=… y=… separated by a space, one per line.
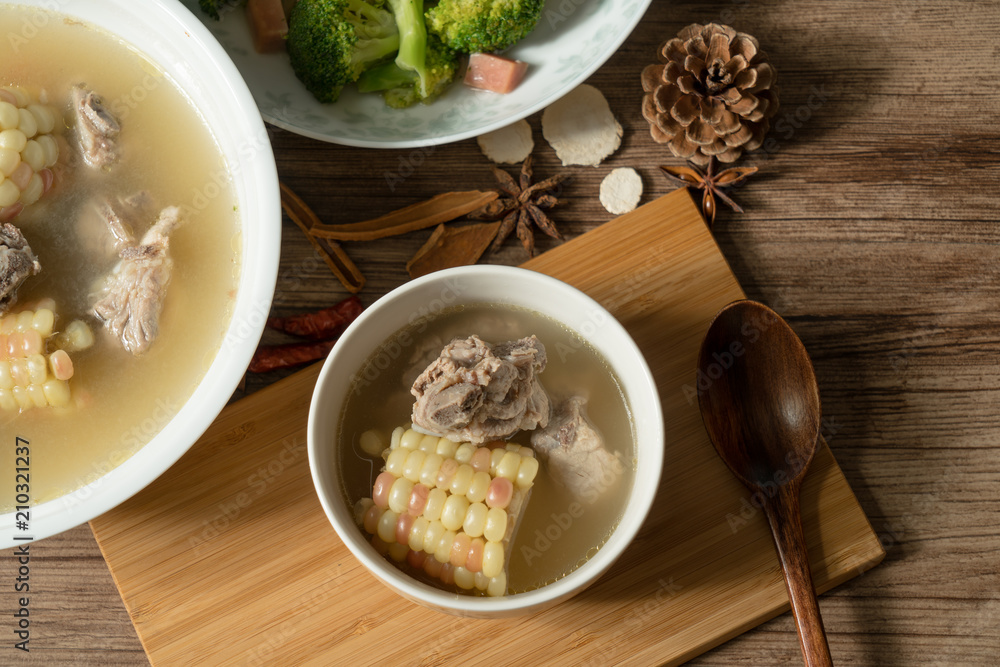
x=712 y=97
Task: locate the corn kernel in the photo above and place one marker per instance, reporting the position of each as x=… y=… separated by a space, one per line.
x=9 y=118
x=462 y=480
x=429 y=470
x=414 y=464
x=410 y=439
x=497 y=586
x=34 y=155
x=43 y=321
x=508 y=466
x=526 y=472
x=399 y=495
x=453 y=514
x=24 y=319
x=24 y=401
x=475 y=520
x=464 y=452
x=446 y=448
x=396 y=460
x=492 y=559
x=387 y=526
x=464 y=579
x=397 y=436
x=13 y=139
x=432 y=536
x=478 y=488
x=417 y=532
x=435 y=504
x=370 y=443
x=45 y=118
x=37 y=369
x=496 y=525
x=37 y=395
x=33 y=191
x=7 y=402
x=443 y=551
x=9 y=193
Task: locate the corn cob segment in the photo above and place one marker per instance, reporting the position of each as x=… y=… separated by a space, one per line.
x=449 y=510
x=34 y=373
x=28 y=150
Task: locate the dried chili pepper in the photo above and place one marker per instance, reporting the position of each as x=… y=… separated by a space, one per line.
x=325 y=323
x=270 y=357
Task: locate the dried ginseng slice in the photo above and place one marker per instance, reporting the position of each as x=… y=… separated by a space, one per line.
x=450 y=510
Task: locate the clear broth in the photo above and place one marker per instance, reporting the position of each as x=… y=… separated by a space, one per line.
x=557 y=533
x=121 y=401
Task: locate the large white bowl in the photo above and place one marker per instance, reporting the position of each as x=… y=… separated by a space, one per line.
x=471 y=285
x=174 y=39
x=571 y=40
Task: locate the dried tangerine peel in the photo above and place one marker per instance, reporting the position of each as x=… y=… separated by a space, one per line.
x=581 y=128
x=621 y=190
x=508 y=145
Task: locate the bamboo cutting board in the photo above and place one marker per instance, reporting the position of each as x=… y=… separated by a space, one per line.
x=228 y=558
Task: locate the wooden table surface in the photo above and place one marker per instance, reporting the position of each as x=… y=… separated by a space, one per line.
x=873 y=227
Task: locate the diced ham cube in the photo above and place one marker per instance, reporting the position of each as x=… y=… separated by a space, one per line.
x=268 y=26
x=494 y=73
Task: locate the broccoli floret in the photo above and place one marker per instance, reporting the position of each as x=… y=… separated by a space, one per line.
x=331 y=42
x=402 y=88
x=481 y=26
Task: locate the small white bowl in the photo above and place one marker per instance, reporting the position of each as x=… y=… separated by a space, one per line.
x=470 y=285
x=177 y=42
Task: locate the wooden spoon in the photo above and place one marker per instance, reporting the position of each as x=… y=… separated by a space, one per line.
x=760 y=405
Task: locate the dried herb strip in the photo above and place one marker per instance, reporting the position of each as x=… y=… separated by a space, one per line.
x=340 y=264
x=434 y=211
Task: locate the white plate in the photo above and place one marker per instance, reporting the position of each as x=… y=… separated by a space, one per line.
x=572 y=39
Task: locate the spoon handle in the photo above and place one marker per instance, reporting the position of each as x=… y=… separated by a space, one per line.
x=785 y=518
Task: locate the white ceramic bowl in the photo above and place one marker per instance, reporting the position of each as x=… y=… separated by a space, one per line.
x=470 y=285
x=572 y=39
x=174 y=39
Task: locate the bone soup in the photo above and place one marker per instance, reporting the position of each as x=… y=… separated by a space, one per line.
x=506 y=467
x=113 y=315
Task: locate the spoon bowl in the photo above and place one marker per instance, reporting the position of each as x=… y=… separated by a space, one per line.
x=762 y=412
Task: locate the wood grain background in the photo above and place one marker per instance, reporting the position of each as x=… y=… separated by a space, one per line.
x=872 y=227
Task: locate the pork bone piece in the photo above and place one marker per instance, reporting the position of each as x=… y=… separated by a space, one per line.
x=132 y=299
x=475 y=392
x=574 y=452
x=96 y=127
x=17 y=263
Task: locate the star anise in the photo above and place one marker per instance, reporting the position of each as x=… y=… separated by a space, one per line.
x=519 y=205
x=710 y=183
